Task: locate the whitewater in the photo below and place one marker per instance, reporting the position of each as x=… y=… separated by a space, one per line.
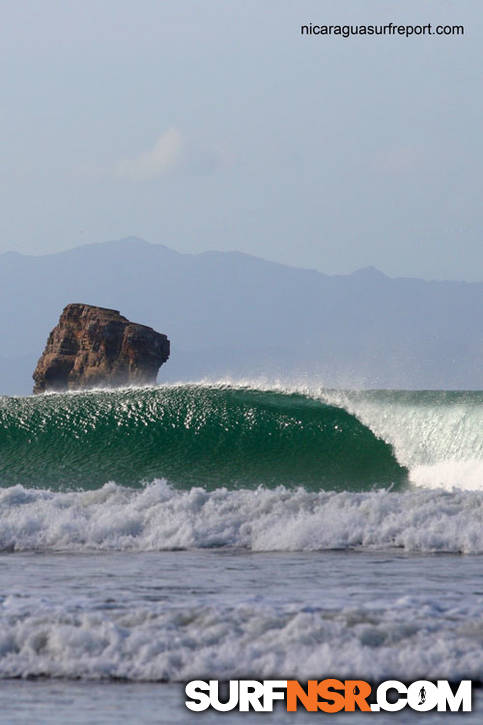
x=237 y=529
x=160 y=517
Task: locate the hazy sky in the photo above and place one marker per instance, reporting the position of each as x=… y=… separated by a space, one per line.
x=215 y=125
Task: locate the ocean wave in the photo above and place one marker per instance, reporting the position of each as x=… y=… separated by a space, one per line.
x=213 y=435
x=160 y=517
x=244 y=434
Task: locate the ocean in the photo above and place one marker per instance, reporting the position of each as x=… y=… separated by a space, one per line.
x=228 y=530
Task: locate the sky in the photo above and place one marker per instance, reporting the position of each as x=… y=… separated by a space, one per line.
x=216 y=125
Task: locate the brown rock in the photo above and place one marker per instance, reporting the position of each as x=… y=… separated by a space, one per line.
x=97 y=347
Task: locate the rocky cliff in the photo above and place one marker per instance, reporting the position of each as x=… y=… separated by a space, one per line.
x=97 y=347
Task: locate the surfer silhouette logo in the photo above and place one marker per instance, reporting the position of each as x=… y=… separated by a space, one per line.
x=422 y=696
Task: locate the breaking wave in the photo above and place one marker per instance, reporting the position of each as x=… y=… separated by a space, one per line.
x=436 y=435
x=236 y=436
x=192 y=435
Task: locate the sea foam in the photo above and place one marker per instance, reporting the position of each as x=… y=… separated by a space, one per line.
x=409 y=637
x=160 y=517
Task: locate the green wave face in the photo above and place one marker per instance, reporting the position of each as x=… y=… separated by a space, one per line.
x=191 y=435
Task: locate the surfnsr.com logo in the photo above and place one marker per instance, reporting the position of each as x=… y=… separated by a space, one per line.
x=329 y=695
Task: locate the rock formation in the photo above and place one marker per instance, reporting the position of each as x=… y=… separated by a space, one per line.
x=97 y=347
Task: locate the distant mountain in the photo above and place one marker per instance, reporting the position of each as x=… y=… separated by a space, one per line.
x=228 y=313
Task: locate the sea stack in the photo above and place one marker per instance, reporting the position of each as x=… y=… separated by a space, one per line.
x=98 y=347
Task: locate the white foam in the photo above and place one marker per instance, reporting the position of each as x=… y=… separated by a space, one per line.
x=450 y=474
x=406 y=639
x=160 y=517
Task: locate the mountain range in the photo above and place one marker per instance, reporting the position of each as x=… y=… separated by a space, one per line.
x=230 y=314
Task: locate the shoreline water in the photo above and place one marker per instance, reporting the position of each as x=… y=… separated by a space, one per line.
x=228 y=613
x=94 y=635
x=48 y=703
